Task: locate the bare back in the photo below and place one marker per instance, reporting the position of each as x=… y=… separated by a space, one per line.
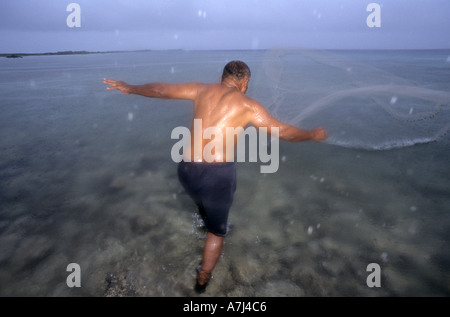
x=218 y=107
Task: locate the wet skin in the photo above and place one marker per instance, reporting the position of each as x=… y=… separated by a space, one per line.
x=219 y=105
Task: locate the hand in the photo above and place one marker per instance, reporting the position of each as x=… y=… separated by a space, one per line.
x=119 y=85
x=319 y=134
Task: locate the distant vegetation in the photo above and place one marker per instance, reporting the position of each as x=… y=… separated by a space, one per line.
x=20 y=55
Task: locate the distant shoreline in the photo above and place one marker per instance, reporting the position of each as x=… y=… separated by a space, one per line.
x=20 y=55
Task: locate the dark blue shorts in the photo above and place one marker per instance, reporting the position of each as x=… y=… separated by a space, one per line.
x=212 y=187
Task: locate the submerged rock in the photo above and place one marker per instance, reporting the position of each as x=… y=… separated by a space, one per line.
x=31 y=251
x=247 y=270
x=279 y=289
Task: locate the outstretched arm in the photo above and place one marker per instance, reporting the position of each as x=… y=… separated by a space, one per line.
x=156 y=90
x=260 y=117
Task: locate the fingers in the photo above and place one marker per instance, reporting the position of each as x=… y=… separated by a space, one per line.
x=115 y=85
x=321 y=134
x=110 y=82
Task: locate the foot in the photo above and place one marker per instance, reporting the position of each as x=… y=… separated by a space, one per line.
x=202 y=281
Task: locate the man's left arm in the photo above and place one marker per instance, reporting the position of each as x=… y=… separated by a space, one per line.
x=260 y=117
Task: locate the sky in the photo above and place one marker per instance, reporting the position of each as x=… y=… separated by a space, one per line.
x=36 y=26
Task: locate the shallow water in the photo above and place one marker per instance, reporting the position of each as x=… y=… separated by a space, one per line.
x=86 y=177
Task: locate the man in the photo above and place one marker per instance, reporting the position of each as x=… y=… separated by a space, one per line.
x=211 y=182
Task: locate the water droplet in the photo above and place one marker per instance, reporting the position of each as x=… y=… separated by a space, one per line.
x=310 y=230
x=130 y=116
x=393 y=100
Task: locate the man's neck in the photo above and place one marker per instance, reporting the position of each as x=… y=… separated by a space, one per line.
x=227 y=82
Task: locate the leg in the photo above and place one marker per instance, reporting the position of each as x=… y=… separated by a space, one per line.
x=211 y=254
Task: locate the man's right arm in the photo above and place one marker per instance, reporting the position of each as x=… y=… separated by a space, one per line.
x=260 y=117
x=186 y=91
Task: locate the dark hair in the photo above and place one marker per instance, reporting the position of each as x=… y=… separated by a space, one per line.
x=237 y=69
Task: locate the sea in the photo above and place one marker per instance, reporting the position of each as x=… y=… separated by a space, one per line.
x=90 y=202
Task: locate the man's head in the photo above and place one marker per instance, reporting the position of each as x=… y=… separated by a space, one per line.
x=238 y=72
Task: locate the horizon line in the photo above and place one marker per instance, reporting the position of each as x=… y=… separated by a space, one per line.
x=81 y=52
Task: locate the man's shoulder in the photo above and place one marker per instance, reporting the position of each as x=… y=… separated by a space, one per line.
x=207 y=86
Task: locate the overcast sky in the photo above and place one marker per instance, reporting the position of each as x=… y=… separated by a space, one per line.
x=41 y=25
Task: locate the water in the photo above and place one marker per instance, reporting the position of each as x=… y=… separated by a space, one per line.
x=86 y=177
